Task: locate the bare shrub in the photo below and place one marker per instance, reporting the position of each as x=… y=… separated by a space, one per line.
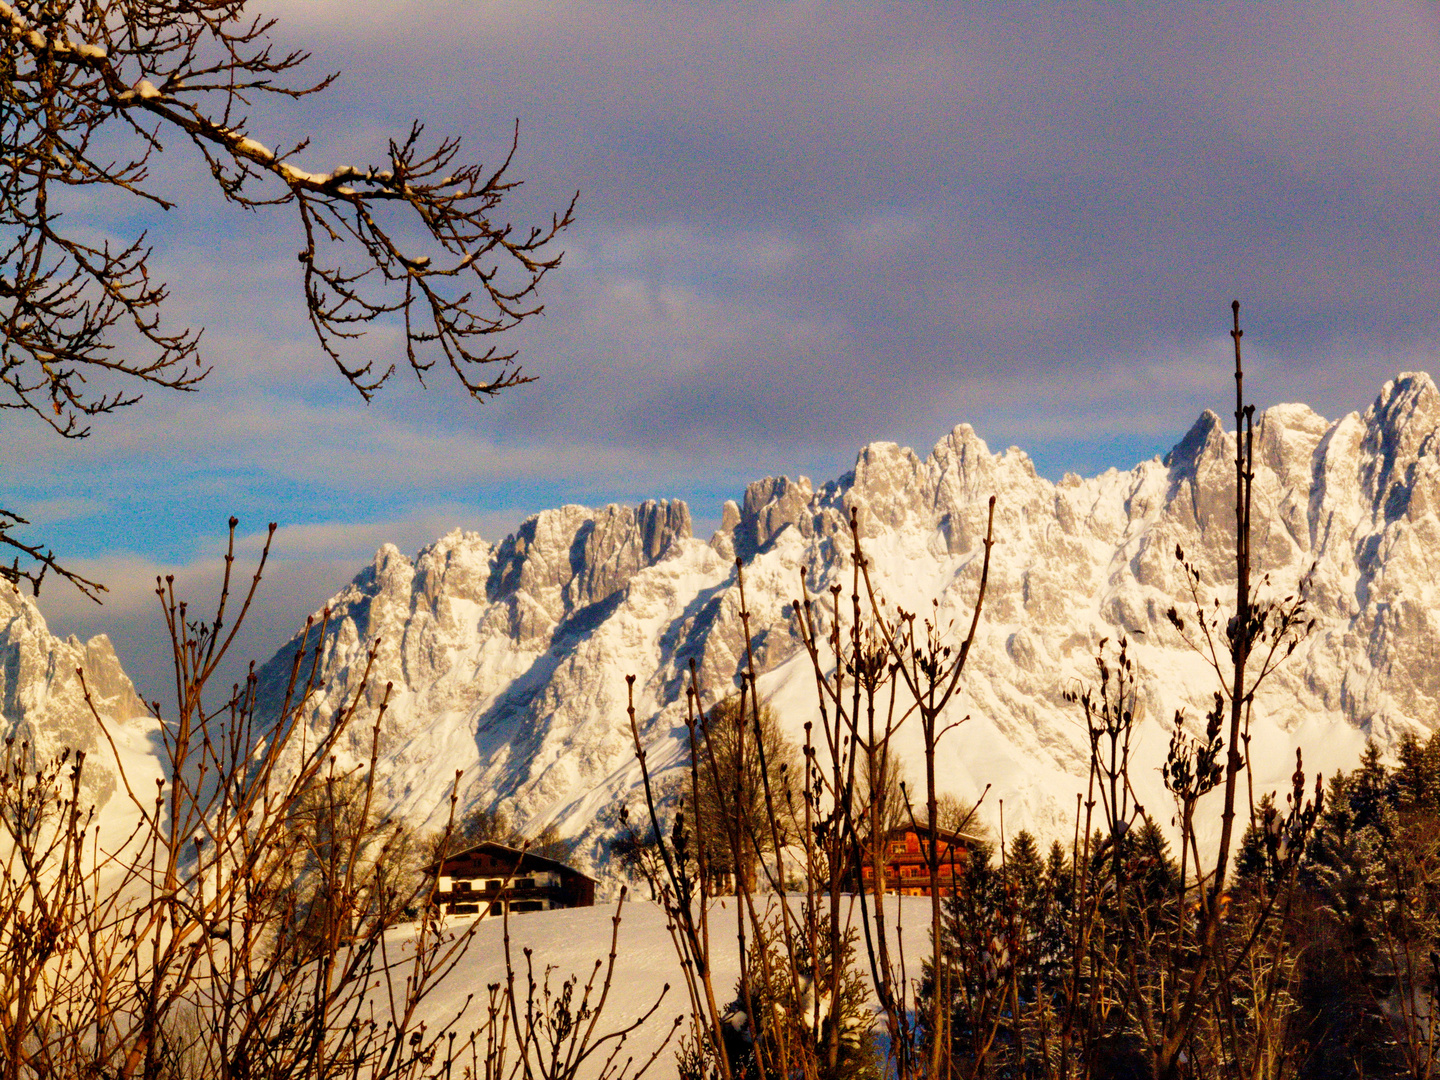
x=873 y=671
x=244 y=928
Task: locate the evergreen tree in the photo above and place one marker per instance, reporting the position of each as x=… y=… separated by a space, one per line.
x=1024 y=870
x=1417 y=779
x=1371 y=788
x=1027 y=902
x=1370 y=980
x=1154 y=869
x=1055 y=928
x=1254 y=865
x=783 y=1017
x=976 y=962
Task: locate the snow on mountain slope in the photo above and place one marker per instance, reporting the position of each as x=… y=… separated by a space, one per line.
x=508 y=663
x=42 y=700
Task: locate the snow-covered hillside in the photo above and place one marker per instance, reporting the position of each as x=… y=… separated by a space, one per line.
x=508 y=662
x=569 y=942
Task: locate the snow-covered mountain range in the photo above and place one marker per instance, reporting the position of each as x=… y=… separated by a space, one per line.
x=507 y=663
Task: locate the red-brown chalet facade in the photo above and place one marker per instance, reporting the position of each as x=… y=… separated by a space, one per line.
x=476 y=879
x=905 y=868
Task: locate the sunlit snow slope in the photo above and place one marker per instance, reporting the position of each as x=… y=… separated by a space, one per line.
x=568 y=943
x=508 y=662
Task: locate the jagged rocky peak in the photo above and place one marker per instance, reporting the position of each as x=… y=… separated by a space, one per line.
x=425 y=616
x=1206 y=438
x=963 y=464
x=43 y=694
x=882 y=486
x=770 y=506
x=1404 y=415
x=1400 y=429
x=890 y=488
x=455 y=567
x=1191 y=499
x=561 y=561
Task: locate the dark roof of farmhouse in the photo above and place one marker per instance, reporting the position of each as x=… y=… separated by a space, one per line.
x=524 y=860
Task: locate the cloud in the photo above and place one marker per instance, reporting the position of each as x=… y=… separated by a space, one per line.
x=803 y=225
x=41 y=511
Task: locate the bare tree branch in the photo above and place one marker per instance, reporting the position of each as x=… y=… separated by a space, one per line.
x=414 y=242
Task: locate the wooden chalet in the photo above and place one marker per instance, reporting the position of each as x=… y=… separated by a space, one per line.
x=491 y=877
x=905 y=866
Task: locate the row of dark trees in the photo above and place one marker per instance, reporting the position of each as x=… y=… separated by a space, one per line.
x=1369 y=983
x=1352 y=992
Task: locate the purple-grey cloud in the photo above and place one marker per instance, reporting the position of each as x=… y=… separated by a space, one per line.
x=808 y=224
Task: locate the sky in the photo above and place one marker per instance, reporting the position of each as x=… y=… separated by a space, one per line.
x=801 y=227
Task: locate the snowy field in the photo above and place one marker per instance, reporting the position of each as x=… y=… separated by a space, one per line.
x=571 y=941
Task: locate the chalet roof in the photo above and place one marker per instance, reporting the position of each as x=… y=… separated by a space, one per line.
x=526 y=859
x=949 y=836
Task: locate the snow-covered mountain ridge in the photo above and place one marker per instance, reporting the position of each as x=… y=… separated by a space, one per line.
x=508 y=663
x=42 y=698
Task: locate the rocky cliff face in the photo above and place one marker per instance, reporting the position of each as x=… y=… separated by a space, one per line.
x=42 y=699
x=508 y=664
